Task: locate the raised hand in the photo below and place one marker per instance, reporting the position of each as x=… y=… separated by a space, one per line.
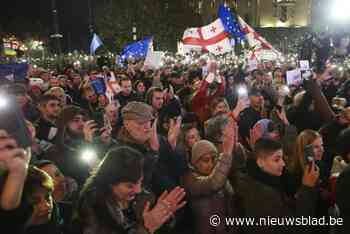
x=282 y=116
x=106 y=136
x=213 y=67
x=311 y=175
x=174 y=131
x=242 y=104
x=166 y=206
x=229 y=137
x=89 y=130
x=153 y=141
x=255 y=134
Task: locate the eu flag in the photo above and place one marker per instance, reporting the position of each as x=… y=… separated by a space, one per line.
x=14 y=72
x=136 y=50
x=230 y=23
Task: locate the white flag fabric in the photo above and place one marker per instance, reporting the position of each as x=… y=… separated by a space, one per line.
x=210 y=38
x=257 y=42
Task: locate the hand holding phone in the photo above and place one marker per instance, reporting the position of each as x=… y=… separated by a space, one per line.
x=309 y=154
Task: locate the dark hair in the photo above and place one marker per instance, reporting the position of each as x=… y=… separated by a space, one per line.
x=264 y=147
x=37 y=178
x=124 y=78
x=343 y=146
x=122 y=164
x=137 y=83
x=149 y=94
x=46 y=98
x=41 y=163
x=256 y=72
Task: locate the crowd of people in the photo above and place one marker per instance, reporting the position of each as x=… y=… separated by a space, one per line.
x=162 y=151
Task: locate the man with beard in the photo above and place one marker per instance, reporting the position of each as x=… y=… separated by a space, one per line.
x=139 y=131
x=89 y=99
x=49 y=107
x=75 y=136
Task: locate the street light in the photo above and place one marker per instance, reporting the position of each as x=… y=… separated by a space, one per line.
x=134 y=36
x=340 y=10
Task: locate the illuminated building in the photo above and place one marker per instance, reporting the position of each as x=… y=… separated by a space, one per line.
x=261 y=13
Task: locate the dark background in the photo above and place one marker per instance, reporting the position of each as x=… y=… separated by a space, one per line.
x=33 y=18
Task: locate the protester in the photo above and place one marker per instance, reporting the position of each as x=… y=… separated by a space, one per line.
x=207 y=183
x=113 y=199
x=263 y=192
x=50 y=107
x=241 y=139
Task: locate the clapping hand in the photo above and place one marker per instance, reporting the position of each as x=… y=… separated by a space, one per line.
x=166 y=206
x=153 y=141
x=174 y=131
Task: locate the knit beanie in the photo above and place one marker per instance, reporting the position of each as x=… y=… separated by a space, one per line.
x=202 y=148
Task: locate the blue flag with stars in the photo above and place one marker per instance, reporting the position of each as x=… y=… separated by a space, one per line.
x=230 y=23
x=136 y=50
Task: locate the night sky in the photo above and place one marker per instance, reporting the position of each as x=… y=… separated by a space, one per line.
x=19 y=16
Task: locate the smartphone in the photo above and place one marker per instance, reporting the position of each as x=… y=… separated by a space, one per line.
x=243 y=94
x=309 y=154
x=12 y=120
x=99 y=120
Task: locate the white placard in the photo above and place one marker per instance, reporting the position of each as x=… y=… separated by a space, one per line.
x=294 y=77
x=153 y=60
x=252 y=64
x=304 y=65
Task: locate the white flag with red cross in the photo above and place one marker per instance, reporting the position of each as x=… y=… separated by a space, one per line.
x=255 y=41
x=210 y=38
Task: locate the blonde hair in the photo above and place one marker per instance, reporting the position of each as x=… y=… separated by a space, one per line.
x=296 y=164
x=55 y=89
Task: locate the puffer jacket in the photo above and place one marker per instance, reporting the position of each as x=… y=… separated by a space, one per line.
x=211 y=195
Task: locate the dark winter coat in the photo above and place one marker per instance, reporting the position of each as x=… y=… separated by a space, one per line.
x=263 y=196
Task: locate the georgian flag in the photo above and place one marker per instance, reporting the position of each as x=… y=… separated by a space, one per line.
x=257 y=42
x=210 y=38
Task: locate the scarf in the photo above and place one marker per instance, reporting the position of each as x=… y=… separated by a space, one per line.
x=276 y=182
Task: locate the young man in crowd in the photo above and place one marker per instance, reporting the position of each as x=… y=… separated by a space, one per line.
x=49 y=107
x=127 y=94
x=155 y=98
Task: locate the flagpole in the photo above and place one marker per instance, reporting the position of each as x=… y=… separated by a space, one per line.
x=56 y=36
x=91 y=20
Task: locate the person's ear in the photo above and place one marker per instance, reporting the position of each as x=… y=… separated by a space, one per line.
x=260 y=162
